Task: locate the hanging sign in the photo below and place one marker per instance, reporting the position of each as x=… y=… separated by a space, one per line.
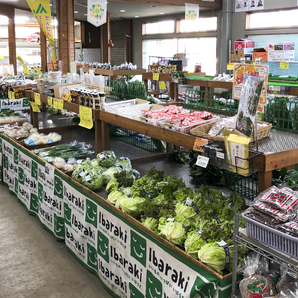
x=26 y=69
x=35 y=107
x=20 y=59
x=197 y=146
x=86 y=117
x=162 y=85
x=58 y=103
x=155 y=76
x=37 y=70
x=192 y=12
x=50 y=101
x=37 y=98
x=97 y=12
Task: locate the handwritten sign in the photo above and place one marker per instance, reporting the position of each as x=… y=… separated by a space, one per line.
x=50 y=101
x=86 y=117
x=20 y=59
x=155 y=77
x=197 y=146
x=37 y=70
x=35 y=107
x=26 y=69
x=230 y=66
x=58 y=103
x=284 y=65
x=162 y=85
x=37 y=98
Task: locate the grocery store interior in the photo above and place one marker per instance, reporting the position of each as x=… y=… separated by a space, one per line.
x=148 y=148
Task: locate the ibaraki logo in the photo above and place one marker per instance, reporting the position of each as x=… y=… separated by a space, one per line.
x=134 y=292
x=40 y=192
x=153 y=286
x=34 y=170
x=202 y=289
x=92 y=257
x=103 y=246
x=15 y=156
x=16 y=186
x=21 y=176
x=58 y=187
x=91 y=213
x=5 y=162
x=67 y=214
x=34 y=203
x=59 y=226
x=138 y=248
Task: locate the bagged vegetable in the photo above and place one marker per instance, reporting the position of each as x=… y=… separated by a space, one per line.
x=106 y=158
x=92 y=180
x=125 y=161
x=59 y=162
x=286 y=279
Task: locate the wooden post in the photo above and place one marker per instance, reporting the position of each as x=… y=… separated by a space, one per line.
x=106 y=35
x=12 y=38
x=43 y=51
x=66 y=35
x=128 y=37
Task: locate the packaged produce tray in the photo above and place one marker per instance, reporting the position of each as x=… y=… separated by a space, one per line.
x=40 y=146
x=202 y=131
x=273 y=238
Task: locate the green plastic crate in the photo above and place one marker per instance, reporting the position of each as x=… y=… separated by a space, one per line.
x=115 y=89
x=282 y=113
x=246 y=186
x=136 y=90
x=199 y=100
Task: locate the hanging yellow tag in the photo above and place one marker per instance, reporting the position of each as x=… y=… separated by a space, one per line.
x=162 y=85
x=37 y=70
x=20 y=59
x=284 y=65
x=9 y=94
x=37 y=98
x=26 y=69
x=34 y=107
x=155 y=77
x=50 y=101
x=58 y=103
x=230 y=66
x=13 y=95
x=86 y=117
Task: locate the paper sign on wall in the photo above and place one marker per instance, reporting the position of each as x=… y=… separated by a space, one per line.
x=284 y=65
x=37 y=98
x=155 y=76
x=86 y=117
x=97 y=12
x=162 y=85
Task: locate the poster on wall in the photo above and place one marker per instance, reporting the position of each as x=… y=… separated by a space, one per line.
x=97 y=12
x=241 y=5
x=192 y=12
x=260 y=4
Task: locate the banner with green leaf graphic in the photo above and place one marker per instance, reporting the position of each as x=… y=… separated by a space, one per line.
x=192 y=12
x=97 y=12
x=15 y=104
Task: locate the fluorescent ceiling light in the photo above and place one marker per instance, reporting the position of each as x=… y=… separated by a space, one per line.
x=122 y=10
x=76 y=11
x=161 y=13
x=136 y=16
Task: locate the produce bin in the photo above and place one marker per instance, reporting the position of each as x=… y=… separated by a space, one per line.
x=115 y=89
x=136 y=90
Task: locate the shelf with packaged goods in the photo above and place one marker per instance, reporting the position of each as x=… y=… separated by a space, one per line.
x=114 y=73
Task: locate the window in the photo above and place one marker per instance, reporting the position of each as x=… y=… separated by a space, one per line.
x=274 y=19
x=159 y=27
x=200 y=25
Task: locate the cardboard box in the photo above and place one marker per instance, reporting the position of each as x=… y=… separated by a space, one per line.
x=261 y=53
x=237 y=55
x=58 y=90
x=244 y=44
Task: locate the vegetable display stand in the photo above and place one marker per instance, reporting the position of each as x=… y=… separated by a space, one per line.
x=124 y=254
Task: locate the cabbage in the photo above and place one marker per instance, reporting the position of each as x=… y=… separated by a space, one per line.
x=86 y=164
x=114 y=196
x=95 y=162
x=193 y=243
x=185 y=210
x=93 y=180
x=108 y=175
x=79 y=174
x=106 y=158
x=119 y=165
x=136 y=174
x=125 y=161
x=151 y=223
x=172 y=231
x=112 y=185
x=214 y=256
x=130 y=205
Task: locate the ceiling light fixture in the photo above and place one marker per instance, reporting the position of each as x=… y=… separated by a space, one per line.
x=122 y=10
x=75 y=11
x=136 y=16
x=161 y=13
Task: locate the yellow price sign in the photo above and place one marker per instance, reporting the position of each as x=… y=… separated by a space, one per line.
x=9 y=94
x=37 y=70
x=35 y=107
x=58 y=103
x=86 y=117
x=13 y=95
x=230 y=66
x=50 y=101
x=1 y=57
x=162 y=85
x=37 y=98
x=26 y=69
x=284 y=65
x=20 y=59
x=197 y=146
x=155 y=77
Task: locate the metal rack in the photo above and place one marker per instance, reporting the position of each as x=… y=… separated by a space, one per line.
x=272 y=254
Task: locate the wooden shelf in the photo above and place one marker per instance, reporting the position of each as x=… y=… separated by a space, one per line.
x=113 y=73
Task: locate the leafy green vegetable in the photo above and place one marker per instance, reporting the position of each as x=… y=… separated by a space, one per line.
x=93 y=180
x=151 y=223
x=129 y=205
x=172 y=231
x=193 y=243
x=106 y=158
x=108 y=174
x=114 y=196
x=178 y=156
x=125 y=161
x=136 y=174
x=185 y=210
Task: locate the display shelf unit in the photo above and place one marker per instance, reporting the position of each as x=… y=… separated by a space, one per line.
x=114 y=73
x=240 y=238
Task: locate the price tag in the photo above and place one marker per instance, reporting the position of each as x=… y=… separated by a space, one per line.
x=37 y=70
x=202 y=161
x=50 y=101
x=155 y=77
x=9 y=94
x=20 y=59
x=37 y=98
x=26 y=69
x=1 y=57
x=284 y=65
x=197 y=146
x=34 y=107
x=13 y=95
x=86 y=117
x=230 y=66
x=58 y=103
x=162 y=85
x=171 y=219
x=220 y=155
x=188 y=201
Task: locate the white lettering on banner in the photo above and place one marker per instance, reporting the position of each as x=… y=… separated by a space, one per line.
x=77 y=201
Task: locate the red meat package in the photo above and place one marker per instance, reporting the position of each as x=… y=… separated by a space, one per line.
x=283 y=199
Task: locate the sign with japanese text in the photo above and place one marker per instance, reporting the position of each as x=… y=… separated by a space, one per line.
x=97 y=12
